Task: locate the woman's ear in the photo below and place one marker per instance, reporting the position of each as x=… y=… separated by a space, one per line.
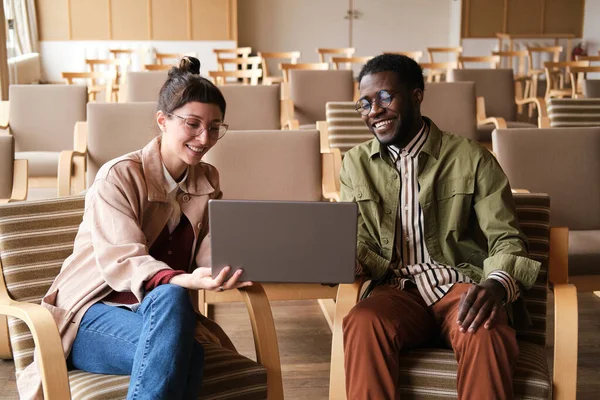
x=161 y=120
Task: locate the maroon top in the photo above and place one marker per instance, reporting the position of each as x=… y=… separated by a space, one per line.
x=174 y=249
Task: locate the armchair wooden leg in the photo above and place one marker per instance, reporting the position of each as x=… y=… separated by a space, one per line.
x=565 y=342
x=5 y=349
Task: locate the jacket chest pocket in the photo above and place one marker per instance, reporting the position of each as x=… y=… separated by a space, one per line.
x=454 y=198
x=368 y=202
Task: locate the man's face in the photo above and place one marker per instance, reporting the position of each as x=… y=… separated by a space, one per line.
x=393 y=124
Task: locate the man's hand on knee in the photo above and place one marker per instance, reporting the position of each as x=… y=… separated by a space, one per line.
x=481 y=303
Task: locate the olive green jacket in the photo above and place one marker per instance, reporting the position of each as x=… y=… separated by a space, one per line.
x=468 y=210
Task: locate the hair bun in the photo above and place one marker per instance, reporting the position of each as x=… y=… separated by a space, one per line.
x=187 y=65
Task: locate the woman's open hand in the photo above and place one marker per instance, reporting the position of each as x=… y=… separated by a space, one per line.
x=201 y=278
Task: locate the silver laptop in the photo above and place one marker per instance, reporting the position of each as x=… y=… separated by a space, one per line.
x=282 y=241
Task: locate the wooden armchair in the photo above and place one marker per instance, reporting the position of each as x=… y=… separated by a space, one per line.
x=438 y=71
x=96 y=81
x=415 y=55
x=13 y=173
x=339 y=52
x=117 y=68
x=291 y=57
x=522 y=80
x=492 y=61
x=32 y=250
x=578 y=75
x=555 y=78
x=241 y=63
x=536 y=72
x=250 y=76
x=532 y=378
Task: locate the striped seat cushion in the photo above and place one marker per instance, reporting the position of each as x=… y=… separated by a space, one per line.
x=35 y=238
x=574 y=112
x=431 y=374
x=345 y=127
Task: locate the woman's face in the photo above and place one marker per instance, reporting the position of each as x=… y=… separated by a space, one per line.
x=180 y=147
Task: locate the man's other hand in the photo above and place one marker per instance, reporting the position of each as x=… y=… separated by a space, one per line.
x=481 y=303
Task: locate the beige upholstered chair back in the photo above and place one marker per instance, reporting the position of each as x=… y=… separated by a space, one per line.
x=115 y=129
x=591 y=88
x=42 y=117
x=497 y=86
x=345 y=127
x=452 y=106
x=562 y=162
x=144 y=85
x=268 y=165
x=7 y=155
x=311 y=90
x=252 y=107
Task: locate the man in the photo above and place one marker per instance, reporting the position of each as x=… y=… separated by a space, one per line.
x=438 y=236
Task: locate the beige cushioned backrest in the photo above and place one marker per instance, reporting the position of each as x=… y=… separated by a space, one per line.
x=252 y=107
x=144 y=85
x=591 y=88
x=7 y=153
x=496 y=86
x=268 y=165
x=562 y=162
x=42 y=117
x=311 y=90
x=116 y=129
x=452 y=107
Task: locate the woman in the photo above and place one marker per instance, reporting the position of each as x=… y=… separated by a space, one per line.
x=121 y=301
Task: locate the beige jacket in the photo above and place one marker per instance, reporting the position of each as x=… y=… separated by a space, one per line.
x=126 y=208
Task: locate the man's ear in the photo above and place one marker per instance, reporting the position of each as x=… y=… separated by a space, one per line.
x=418 y=96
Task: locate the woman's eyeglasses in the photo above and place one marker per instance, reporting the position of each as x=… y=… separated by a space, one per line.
x=194 y=128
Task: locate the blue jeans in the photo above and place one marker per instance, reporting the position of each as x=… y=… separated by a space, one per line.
x=155 y=345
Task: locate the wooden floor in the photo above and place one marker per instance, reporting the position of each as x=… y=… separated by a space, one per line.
x=305 y=340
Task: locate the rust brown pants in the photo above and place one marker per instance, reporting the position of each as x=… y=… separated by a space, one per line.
x=392 y=320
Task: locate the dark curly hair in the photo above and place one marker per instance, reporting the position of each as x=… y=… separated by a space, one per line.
x=185 y=84
x=408 y=71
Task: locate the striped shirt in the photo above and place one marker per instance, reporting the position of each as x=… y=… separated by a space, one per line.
x=433 y=280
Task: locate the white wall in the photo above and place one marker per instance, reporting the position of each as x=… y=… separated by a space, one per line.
x=284 y=25
x=69 y=56
x=591 y=26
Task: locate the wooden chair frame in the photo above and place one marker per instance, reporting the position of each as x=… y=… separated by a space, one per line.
x=577 y=76
x=119 y=66
x=157 y=67
x=51 y=360
x=553 y=71
x=219 y=77
x=500 y=123
x=161 y=57
x=19 y=186
x=109 y=76
x=439 y=70
x=452 y=50
x=285 y=67
x=415 y=55
x=240 y=63
x=493 y=61
x=237 y=52
x=564 y=379
x=534 y=73
x=347 y=61
x=291 y=56
x=345 y=51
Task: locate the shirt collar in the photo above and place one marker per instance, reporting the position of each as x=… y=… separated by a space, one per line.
x=432 y=144
x=413 y=147
x=172 y=185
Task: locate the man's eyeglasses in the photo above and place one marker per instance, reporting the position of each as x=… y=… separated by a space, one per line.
x=383 y=98
x=194 y=128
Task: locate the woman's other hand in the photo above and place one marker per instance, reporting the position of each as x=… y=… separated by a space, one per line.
x=201 y=278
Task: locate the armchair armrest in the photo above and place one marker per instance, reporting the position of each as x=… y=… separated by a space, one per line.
x=540 y=103
x=482 y=119
x=558 y=259
x=287 y=115
x=566 y=321
x=346 y=299
x=20 y=180
x=72 y=163
x=330 y=176
x=4 y=110
x=265 y=337
x=49 y=353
